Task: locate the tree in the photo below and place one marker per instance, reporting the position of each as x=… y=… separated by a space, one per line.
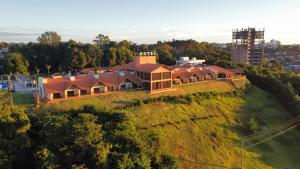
x=101 y=40
x=48 y=68
x=110 y=57
x=168 y=162
x=15 y=63
x=72 y=141
x=49 y=38
x=225 y=64
x=14 y=141
x=165 y=57
x=124 y=55
x=77 y=58
x=95 y=54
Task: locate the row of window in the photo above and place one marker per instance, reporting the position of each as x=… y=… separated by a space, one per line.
x=161 y=85
x=143 y=76
x=161 y=76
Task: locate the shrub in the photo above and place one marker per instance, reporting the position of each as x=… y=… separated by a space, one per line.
x=139 y=102
x=252 y=126
x=168 y=161
x=189 y=98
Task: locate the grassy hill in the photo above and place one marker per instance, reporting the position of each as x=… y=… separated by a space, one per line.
x=121 y=98
x=207 y=129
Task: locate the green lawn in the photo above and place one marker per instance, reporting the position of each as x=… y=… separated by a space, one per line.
x=21 y=101
x=121 y=98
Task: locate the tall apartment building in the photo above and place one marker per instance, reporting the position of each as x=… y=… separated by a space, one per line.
x=247 y=46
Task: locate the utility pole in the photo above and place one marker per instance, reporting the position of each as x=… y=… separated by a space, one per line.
x=242 y=154
x=11 y=96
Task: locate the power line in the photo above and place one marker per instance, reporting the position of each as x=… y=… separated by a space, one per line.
x=273 y=136
x=281 y=129
x=274 y=129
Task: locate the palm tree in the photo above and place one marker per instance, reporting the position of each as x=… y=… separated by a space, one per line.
x=48 y=68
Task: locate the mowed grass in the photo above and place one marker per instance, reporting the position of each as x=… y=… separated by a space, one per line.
x=216 y=140
x=20 y=100
x=111 y=100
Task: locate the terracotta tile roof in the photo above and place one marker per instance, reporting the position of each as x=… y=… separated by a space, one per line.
x=199 y=71
x=150 y=67
x=217 y=69
x=128 y=66
x=236 y=71
x=117 y=78
x=181 y=73
x=85 y=82
x=187 y=73
x=141 y=68
x=292 y=53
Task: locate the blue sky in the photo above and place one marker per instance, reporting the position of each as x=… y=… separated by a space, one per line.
x=147 y=21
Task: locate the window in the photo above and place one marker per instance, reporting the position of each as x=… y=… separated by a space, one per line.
x=166 y=84
x=144 y=76
x=147 y=86
x=83 y=92
x=167 y=75
x=71 y=93
x=161 y=85
x=97 y=90
x=56 y=95
x=147 y=76
x=156 y=76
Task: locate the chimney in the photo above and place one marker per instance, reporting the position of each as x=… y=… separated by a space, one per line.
x=96 y=76
x=121 y=73
x=72 y=78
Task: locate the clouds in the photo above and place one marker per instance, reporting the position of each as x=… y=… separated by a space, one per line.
x=17 y=37
x=147 y=35
x=220 y=33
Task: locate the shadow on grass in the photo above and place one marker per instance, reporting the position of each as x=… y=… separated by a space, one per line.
x=192 y=119
x=275 y=152
x=23 y=99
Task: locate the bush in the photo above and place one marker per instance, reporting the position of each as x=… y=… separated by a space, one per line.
x=139 y=102
x=168 y=161
x=252 y=125
x=189 y=98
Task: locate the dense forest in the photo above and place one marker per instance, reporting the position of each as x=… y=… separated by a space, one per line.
x=52 y=55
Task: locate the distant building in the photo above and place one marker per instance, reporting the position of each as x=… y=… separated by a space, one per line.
x=24 y=84
x=247 y=46
x=3 y=51
x=25 y=81
x=187 y=60
x=273 y=44
x=222 y=45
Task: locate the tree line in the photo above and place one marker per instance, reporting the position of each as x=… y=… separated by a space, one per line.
x=52 y=55
x=285 y=86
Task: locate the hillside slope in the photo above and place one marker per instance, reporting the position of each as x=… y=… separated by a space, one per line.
x=209 y=130
x=205 y=130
